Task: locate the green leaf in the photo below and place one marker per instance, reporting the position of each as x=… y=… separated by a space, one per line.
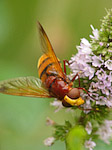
x=62 y=130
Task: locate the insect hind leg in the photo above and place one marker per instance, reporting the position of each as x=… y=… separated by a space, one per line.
x=89 y=109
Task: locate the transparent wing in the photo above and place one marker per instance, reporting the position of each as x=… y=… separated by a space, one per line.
x=24 y=86
x=48 y=50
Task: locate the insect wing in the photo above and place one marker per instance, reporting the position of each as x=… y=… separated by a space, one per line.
x=48 y=50
x=24 y=86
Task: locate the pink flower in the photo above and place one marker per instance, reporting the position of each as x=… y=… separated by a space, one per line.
x=57 y=104
x=97 y=61
x=109 y=101
x=101 y=100
x=90 y=144
x=108 y=64
x=88 y=127
x=101 y=74
x=49 y=122
x=85 y=46
x=93 y=87
x=49 y=141
x=105 y=131
x=110 y=76
x=95 y=33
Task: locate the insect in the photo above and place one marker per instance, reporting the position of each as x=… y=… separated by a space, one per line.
x=53 y=81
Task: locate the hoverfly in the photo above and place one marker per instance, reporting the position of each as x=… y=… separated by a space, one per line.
x=53 y=81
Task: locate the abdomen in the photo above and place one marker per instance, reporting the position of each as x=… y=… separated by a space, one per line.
x=45 y=67
x=57 y=86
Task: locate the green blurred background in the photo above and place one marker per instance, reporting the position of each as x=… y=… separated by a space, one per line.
x=22 y=120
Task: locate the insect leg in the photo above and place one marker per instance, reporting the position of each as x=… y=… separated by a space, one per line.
x=87 y=93
x=88 y=109
x=75 y=77
x=65 y=61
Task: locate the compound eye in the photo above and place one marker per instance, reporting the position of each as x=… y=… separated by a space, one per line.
x=74 y=93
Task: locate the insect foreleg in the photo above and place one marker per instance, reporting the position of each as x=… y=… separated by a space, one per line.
x=65 y=61
x=87 y=93
x=75 y=77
